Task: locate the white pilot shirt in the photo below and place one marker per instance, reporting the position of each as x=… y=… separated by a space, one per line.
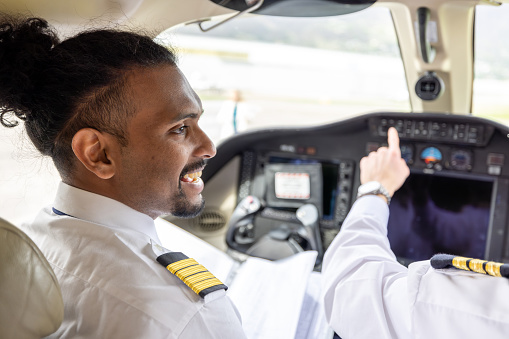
x=368 y=294
x=111 y=283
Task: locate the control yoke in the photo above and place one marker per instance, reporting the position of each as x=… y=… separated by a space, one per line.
x=308 y=216
x=241 y=222
x=279 y=242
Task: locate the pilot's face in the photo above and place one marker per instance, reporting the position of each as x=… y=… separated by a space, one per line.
x=160 y=167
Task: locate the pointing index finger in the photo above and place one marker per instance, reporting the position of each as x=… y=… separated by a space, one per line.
x=393 y=139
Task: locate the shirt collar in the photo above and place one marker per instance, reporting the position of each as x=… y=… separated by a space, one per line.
x=102 y=210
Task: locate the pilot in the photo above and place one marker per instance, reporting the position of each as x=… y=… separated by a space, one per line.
x=120 y=122
x=368 y=294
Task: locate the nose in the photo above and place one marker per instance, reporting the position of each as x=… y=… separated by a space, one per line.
x=205 y=147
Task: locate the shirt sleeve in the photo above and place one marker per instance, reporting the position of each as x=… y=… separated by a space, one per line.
x=217 y=319
x=365 y=288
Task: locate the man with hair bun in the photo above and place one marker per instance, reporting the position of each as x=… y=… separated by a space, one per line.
x=120 y=121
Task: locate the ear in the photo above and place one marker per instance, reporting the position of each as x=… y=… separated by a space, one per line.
x=93 y=149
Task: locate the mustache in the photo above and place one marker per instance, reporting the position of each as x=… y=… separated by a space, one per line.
x=194 y=167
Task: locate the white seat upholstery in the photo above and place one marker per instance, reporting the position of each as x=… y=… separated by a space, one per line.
x=31 y=304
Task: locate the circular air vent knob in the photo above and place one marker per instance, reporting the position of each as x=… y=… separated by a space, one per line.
x=429 y=86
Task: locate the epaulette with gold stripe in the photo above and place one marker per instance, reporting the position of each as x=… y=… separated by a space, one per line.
x=194 y=275
x=469 y=264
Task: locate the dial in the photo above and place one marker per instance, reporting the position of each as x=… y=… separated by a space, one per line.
x=431 y=155
x=407 y=153
x=461 y=160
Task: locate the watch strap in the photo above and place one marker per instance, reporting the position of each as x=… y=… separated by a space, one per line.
x=380 y=189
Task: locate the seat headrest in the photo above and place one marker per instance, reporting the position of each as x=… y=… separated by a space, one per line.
x=31 y=304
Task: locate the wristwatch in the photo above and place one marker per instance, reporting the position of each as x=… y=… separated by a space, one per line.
x=373 y=188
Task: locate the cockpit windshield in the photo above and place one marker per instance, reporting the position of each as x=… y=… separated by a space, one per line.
x=259 y=71
x=267 y=71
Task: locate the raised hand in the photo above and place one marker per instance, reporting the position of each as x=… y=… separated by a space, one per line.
x=386 y=165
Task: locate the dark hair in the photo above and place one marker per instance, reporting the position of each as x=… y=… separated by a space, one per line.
x=58 y=88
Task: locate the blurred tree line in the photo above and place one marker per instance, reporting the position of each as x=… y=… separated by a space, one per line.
x=368 y=32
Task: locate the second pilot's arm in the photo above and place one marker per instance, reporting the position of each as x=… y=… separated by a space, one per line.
x=368 y=294
x=362 y=279
x=365 y=287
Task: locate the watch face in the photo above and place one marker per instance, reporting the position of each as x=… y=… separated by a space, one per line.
x=369 y=187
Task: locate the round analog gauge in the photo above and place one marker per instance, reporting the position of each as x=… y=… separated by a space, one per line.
x=431 y=155
x=407 y=153
x=461 y=160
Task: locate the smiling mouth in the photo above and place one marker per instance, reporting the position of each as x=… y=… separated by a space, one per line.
x=192 y=177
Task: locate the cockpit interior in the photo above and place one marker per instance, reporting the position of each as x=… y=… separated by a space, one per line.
x=295 y=93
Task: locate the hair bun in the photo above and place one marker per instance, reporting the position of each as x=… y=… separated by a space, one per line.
x=25 y=46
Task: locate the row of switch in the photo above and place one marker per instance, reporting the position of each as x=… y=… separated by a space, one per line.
x=429 y=130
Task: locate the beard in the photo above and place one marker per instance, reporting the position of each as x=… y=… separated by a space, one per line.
x=183 y=209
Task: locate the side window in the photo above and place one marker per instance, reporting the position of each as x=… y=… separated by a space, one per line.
x=491 y=69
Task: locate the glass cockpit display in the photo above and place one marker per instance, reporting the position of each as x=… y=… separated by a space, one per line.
x=437 y=214
x=329 y=173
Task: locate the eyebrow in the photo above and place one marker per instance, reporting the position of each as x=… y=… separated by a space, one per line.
x=184 y=116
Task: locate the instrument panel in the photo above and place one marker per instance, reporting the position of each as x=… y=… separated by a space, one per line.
x=458 y=187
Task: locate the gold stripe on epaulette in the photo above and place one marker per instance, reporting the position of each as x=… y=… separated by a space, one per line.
x=186 y=272
x=206 y=284
x=181 y=264
x=194 y=275
x=461 y=263
x=476 y=265
x=493 y=268
x=195 y=278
